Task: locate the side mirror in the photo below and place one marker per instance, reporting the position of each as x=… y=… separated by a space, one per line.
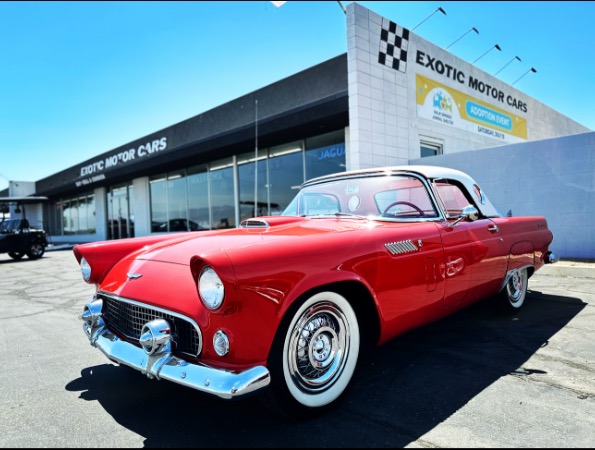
x=469 y=213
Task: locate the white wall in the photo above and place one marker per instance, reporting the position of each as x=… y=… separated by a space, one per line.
x=554 y=178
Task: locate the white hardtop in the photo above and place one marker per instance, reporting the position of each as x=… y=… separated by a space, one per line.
x=430 y=173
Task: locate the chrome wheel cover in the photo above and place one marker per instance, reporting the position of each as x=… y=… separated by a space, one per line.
x=318 y=347
x=321 y=349
x=516 y=287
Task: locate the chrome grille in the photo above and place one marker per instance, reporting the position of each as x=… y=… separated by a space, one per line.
x=127 y=318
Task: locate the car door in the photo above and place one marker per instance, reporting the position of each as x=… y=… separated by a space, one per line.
x=474 y=252
x=474 y=261
x=404 y=272
x=3 y=242
x=10 y=237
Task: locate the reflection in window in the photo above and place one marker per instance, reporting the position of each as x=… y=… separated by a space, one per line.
x=204 y=197
x=73 y=216
x=222 y=194
x=120 y=223
x=246 y=178
x=158 y=191
x=198 y=198
x=325 y=154
x=176 y=203
x=55 y=219
x=285 y=175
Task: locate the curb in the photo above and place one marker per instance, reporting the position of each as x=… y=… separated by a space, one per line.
x=561 y=270
x=53 y=248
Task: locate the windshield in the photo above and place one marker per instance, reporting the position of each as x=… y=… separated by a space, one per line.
x=10 y=225
x=387 y=197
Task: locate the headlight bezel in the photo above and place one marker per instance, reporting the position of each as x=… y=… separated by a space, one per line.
x=211 y=289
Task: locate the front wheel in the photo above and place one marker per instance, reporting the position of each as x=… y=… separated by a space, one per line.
x=512 y=296
x=36 y=251
x=315 y=354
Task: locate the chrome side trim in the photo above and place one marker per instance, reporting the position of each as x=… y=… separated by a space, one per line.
x=398 y=248
x=165 y=366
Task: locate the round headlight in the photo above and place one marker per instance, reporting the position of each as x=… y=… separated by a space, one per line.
x=210 y=288
x=85 y=269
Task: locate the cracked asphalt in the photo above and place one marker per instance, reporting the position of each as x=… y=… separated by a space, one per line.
x=475 y=379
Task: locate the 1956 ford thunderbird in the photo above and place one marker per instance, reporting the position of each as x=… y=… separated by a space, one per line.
x=287 y=302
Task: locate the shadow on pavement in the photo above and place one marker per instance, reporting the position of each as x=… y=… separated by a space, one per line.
x=405 y=389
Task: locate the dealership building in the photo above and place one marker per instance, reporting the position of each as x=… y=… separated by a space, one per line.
x=392 y=99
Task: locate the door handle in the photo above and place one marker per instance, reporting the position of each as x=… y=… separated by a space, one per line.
x=493 y=228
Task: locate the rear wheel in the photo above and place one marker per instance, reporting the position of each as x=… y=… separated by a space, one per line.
x=16 y=255
x=315 y=355
x=512 y=296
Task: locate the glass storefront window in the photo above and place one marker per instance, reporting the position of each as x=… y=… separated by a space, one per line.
x=210 y=195
x=286 y=174
x=67 y=222
x=325 y=154
x=86 y=215
x=214 y=195
x=246 y=178
x=119 y=223
x=177 y=203
x=198 y=198
x=56 y=219
x=222 y=194
x=72 y=216
x=158 y=191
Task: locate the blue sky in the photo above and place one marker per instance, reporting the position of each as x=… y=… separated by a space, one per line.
x=80 y=78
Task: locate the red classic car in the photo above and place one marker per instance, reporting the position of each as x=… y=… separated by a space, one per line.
x=288 y=302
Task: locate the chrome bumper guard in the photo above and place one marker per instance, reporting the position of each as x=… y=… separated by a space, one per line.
x=155 y=359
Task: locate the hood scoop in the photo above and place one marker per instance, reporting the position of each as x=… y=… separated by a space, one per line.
x=266 y=222
x=254 y=223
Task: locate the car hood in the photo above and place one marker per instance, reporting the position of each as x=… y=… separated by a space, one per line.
x=263 y=231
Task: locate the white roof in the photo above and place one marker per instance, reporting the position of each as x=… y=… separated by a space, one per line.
x=429 y=172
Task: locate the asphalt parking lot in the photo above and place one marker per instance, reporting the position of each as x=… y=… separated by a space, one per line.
x=476 y=379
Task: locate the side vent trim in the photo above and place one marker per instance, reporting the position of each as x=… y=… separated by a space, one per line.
x=398 y=248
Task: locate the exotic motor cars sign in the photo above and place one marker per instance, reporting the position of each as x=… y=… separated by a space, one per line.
x=92 y=172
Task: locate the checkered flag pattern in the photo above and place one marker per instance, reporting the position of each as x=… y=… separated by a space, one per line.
x=394 y=42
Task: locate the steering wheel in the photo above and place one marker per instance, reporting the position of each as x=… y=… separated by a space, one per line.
x=417 y=208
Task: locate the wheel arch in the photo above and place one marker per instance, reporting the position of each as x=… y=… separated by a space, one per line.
x=520 y=256
x=358 y=296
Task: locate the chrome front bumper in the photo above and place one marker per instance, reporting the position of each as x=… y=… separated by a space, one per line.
x=156 y=361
